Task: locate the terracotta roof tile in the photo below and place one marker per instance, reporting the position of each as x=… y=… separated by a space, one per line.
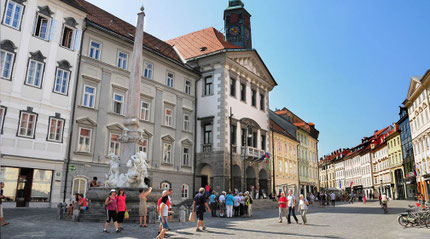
x=201 y=42
x=108 y=21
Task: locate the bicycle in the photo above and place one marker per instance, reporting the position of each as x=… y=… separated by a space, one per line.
x=414 y=217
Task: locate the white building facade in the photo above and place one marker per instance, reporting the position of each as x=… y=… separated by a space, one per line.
x=40 y=42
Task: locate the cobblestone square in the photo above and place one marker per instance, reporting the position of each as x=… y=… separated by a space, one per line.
x=344 y=221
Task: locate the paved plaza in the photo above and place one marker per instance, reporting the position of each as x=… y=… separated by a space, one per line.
x=344 y=221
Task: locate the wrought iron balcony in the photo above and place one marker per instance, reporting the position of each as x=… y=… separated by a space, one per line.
x=207 y=148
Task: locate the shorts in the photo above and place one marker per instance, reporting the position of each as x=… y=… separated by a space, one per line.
x=200 y=215
x=84 y=208
x=165 y=225
x=120 y=216
x=111 y=214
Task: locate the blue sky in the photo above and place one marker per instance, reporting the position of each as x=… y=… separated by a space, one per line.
x=343 y=65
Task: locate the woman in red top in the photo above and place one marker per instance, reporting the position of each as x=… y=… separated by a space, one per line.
x=282 y=206
x=121 y=207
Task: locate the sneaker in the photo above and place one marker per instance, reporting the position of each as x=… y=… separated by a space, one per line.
x=121 y=228
x=106 y=231
x=204 y=228
x=198 y=230
x=118 y=231
x=280 y=221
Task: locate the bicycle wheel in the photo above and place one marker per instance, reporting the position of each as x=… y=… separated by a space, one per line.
x=403 y=221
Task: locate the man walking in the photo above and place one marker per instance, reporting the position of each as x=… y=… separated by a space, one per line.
x=333 y=198
x=291 y=203
x=282 y=206
x=199 y=206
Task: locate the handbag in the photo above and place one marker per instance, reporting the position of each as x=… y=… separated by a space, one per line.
x=192 y=217
x=126 y=216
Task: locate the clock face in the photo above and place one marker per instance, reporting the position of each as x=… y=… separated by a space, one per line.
x=234 y=18
x=234 y=31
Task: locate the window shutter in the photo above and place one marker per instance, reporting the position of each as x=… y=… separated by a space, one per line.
x=77 y=41
x=52 y=30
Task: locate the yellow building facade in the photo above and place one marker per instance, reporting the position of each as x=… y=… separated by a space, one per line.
x=396 y=164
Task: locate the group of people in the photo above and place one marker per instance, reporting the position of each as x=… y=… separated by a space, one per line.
x=79 y=203
x=287 y=205
x=229 y=205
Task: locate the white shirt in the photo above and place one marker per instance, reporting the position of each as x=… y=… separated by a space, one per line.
x=384 y=198
x=302 y=204
x=242 y=199
x=290 y=199
x=236 y=201
x=221 y=198
x=312 y=197
x=333 y=196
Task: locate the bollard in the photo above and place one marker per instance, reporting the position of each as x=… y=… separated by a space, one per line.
x=182 y=214
x=76 y=213
x=60 y=214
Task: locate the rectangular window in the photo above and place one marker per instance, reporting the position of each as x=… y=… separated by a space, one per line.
x=89 y=96
x=187 y=122
x=254 y=139
x=254 y=98
x=34 y=73
x=2 y=117
x=42 y=26
x=244 y=136
x=118 y=103
x=186 y=157
x=41 y=185
x=6 y=62
x=144 y=111
x=143 y=146
x=233 y=134
x=170 y=79
x=67 y=38
x=262 y=102
x=95 y=49
x=27 y=124
x=62 y=81
x=114 y=144
x=263 y=143
x=147 y=70
x=208 y=86
x=55 y=132
x=13 y=14
x=167 y=153
x=168 y=117
x=207 y=136
x=280 y=166
x=242 y=92
x=122 y=60
x=233 y=87
x=188 y=87
x=84 y=144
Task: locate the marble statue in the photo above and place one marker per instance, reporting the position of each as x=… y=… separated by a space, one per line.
x=135 y=176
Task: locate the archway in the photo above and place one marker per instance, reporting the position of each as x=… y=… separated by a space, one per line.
x=237 y=177
x=205 y=174
x=263 y=182
x=250 y=178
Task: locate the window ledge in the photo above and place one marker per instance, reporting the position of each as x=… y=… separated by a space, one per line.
x=168 y=126
x=61 y=46
x=145 y=121
x=187 y=131
x=88 y=108
x=186 y=166
x=167 y=164
x=37 y=37
x=115 y=114
x=83 y=153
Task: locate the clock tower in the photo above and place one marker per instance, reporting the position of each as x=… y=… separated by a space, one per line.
x=237 y=24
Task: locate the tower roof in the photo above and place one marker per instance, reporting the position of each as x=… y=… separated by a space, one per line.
x=233 y=4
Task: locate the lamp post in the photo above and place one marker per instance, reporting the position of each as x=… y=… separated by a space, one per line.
x=231 y=150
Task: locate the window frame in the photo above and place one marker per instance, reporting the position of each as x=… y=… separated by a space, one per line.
x=185 y=191
x=94 y=96
x=85 y=183
x=3 y=117
x=243 y=91
x=209 y=133
x=188 y=87
x=170 y=80
x=56 y=81
x=140 y=145
x=186 y=156
x=29 y=112
x=116 y=101
x=149 y=70
x=48 y=26
x=41 y=74
x=117 y=146
x=11 y=64
x=99 y=49
x=18 y=28
x=90 y=139
x=120 y=58
x=168 y=152
x=49 y=129
x=262 y=101
x=253 y=97
x=148 y=110
x=167 y=122
x=72 y=40
x=187 y=123
x=208 y=88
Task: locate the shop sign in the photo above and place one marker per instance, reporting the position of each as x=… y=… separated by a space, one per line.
x=72 y=167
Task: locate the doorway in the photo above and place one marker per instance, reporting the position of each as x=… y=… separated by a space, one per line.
x=23 y=191
x=204 y=181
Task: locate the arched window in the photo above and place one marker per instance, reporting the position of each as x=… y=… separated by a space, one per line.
x=79 y=185
x=165 y=185
x=185 y=191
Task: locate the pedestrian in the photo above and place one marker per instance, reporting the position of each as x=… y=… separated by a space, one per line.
x=221 y=202
x=213 y=204
x=333 y=198
x=303 y=208
x=163 y=213
x=318 y=198
x=82 y=202
x=242 y=204
x=248 y=204
x=143 y=210
x=71 y=206
x=95 y=183
x=169 y=194
x=229 y=203
x=207 y=189
x=282 y=206
x=160 y=201
x=236 y=205
x=364 y=198
x=122 y=207
x=291 y=203
x=199 y=206
x=111 y=211
x=3 y=223
x=351 y=198
x=312 y=197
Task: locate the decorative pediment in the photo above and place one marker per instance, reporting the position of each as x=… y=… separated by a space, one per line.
x=64 y=65
x=37 y=56
x=46 y=11
x=167 y=138
x=145 y=133
x=187 y=142
x=71 y=22
x=20 y=1
x=115 y=127
x=86 y=121
x=7 y=46
x=250 y=64
x=413 y=85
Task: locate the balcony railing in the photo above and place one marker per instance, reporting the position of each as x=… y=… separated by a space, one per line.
x=207 y=148
x=252 y=152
